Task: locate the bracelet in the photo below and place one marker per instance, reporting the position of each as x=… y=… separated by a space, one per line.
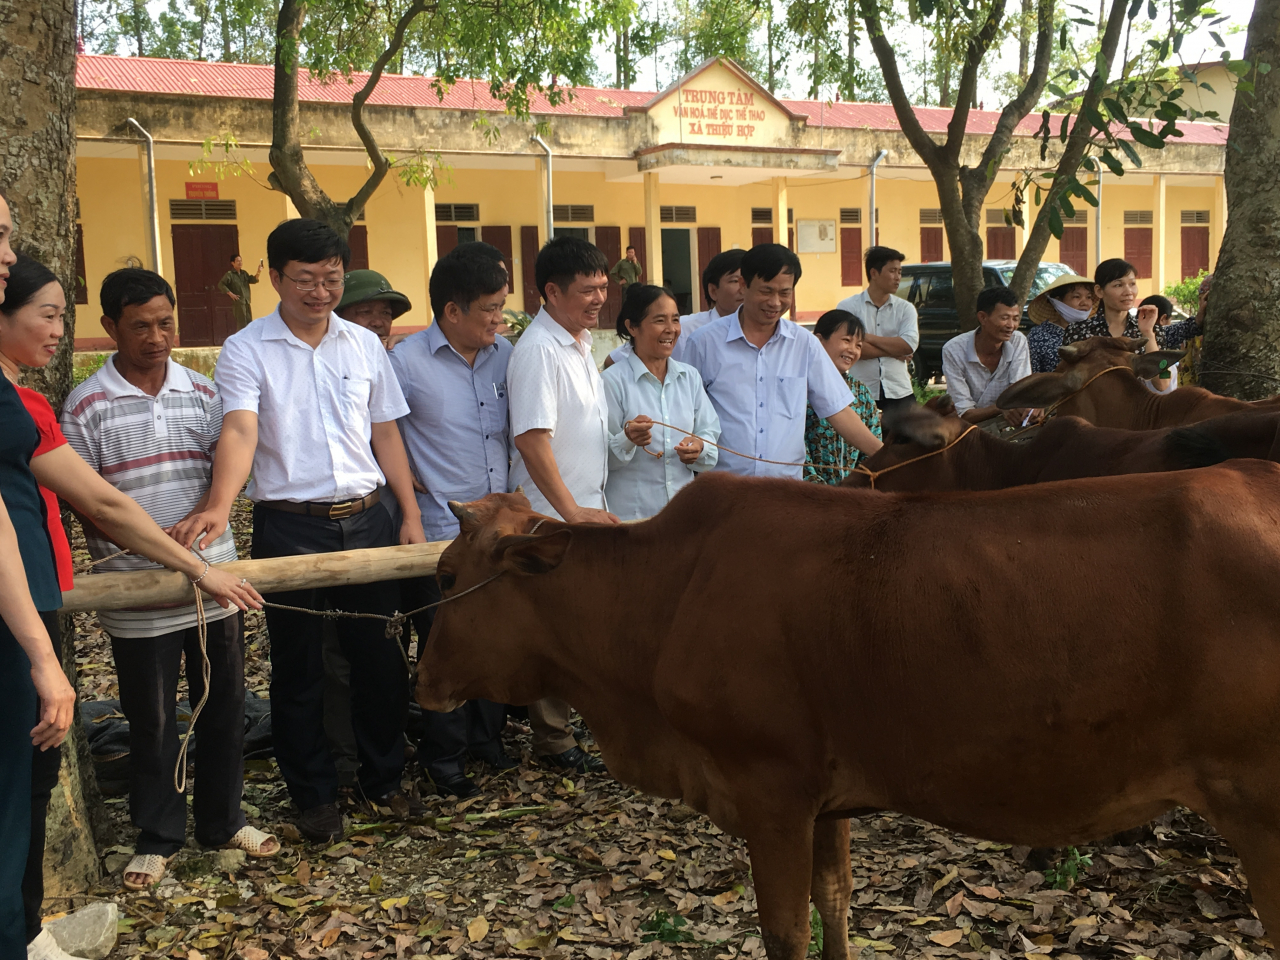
x=203 y=573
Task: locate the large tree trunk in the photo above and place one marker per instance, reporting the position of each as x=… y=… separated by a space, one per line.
x=1243 y=327
x=37 y=126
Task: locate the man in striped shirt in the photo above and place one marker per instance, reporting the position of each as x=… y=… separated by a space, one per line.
x=149 y=427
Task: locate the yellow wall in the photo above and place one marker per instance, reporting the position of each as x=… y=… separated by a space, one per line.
x=398 y=224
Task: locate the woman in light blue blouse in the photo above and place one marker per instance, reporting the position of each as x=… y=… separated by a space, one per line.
x=648 y=464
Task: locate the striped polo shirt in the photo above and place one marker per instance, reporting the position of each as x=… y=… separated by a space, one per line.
x=158 y=450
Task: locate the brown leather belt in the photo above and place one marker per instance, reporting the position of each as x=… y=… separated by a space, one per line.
x=333 y=511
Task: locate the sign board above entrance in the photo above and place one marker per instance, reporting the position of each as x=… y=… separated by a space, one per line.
x=717 y=104
x=202 y=191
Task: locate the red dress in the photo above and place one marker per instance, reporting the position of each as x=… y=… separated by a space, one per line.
x=50 y=439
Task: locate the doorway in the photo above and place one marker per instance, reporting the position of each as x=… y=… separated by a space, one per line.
x=677 y=270
x=201 y=255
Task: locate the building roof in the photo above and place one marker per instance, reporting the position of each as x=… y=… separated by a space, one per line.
x=255 y=82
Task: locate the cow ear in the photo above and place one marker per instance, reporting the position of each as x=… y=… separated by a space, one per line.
x=1149 y=365
x=1039 y=390
x=925 y=427
x=1073 y=352
x=531 y=555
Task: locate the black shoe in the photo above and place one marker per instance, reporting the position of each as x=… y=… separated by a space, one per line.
x=499 y=761
x=460 y=787
x=575 y=759
x=322 y=824
x=402 y=805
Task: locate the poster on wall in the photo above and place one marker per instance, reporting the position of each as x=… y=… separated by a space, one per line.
x=816 y=236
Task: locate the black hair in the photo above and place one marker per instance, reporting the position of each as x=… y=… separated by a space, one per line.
x=1059 y=292
x=992 y=297
x=130 y=286
x=833 y=321
x=766 y=261
x=1112 y=270
x=234 y=258
x=463 y=280
x=563 y=259
x=640 y=297
x=478 y=248
x=720 y=266
x=878 y=256
x=629 y=247
x=26 y=278
x=305 y=241
x=1164 y=307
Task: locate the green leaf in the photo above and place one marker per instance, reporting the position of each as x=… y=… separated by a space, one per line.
x=1094 y=117
x=1129 y=152
x=565 y=902
x=1134 y=7
x=1146 y=137
x=1065 y=202
x=1115 y=109
x=1264 y=68
x=375 y=883
x=1055 y=222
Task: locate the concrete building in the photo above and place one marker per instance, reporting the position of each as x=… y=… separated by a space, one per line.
x=710 y=163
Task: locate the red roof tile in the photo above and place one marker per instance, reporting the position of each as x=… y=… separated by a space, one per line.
x=254 y=82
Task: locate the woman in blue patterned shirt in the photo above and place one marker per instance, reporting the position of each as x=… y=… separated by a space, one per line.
x=829 y=458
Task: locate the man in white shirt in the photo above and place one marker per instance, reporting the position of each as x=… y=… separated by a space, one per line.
x=310 y=406
x=982 y=363
x=560 y=430
x=722 y=282
x=893 y=332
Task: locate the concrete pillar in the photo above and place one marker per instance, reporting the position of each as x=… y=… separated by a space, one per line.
x=429 y=244
x=780 y=210
x=652 y=228
x=1159 y=227
x=1217 y=220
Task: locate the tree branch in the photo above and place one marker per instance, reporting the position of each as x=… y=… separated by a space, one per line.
x=380 y=163
x=975 y=50
x=921 y=142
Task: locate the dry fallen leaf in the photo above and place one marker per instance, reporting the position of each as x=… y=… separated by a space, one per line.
x=947 y=938
x=478 y=929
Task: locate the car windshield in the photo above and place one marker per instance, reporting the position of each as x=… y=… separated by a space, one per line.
x=1046 y=273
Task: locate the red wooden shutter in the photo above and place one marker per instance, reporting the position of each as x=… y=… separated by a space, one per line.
x=761 y=235
x=1073 y=249
x=930 y=244
x=528 y=274
x=851 y=256
x=1137 y=250
x=609 y=241
x=1001 y=243
x=708 y=247
x=499 y=237
x=1195 y=251
x=358 y=241
x=635 y=238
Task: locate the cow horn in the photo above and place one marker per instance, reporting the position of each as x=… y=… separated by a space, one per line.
x=462 y=513
x=1070 y=352
x=520 y=489
x=1134 y=345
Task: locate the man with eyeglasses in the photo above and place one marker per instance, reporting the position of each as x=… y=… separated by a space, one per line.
x=310 y=406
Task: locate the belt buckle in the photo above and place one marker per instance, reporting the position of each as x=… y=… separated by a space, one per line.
x=340 y=511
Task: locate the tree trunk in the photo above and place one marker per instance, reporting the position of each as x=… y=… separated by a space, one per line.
x=224 y=19
x=37 y=67
x=1243 y=324
x=1024 y=39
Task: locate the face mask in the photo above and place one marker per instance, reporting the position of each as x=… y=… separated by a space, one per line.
x=1070 y=314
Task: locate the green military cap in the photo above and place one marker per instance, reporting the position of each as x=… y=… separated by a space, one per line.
x=365 y=285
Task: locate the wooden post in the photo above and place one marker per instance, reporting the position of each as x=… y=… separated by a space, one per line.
x=148 y=588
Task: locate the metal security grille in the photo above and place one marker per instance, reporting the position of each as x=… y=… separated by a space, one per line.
x=1137 y=218
x=850 y=214
x=995 y=217
x=573 y=213
x=678 y=214
x=930 y=214
x=1080 y=216
x=457 y=212
x=1195 y=216
x=762 y=214
x=202 y=209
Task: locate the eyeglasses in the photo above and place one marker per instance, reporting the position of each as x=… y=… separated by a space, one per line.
x=303 y=287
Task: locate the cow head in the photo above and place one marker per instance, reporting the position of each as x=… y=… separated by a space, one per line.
x=1082 y=361
x=912 y=433
x=478 y=645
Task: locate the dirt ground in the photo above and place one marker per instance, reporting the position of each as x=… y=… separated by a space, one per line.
x=543 y=866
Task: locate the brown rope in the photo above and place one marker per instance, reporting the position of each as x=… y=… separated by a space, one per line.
x=873 y=474
x=745 y=456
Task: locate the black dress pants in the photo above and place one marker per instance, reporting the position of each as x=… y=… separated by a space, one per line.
x=379 y=679
x=45 y=765
x=148 y=669
x=475 y=727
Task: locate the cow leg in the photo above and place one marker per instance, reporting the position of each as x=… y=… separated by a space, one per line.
x=832 y=885
x=781 y=865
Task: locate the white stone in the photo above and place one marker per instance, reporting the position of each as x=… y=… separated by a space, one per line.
x=90 y=932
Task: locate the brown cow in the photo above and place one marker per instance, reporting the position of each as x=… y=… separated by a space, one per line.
x=925 y=450
x=1080 y=388
x=749 y=650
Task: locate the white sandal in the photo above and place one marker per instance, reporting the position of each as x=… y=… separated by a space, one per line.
x=251 y=840
x=150 y=865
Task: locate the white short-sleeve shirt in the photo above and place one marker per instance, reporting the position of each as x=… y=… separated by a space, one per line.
x=970 y=383
x=553 y=384
x=315 y=408
x=894 y=318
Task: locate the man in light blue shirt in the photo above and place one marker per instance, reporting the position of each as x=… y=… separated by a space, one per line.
x=454 y=378
x=761 y=371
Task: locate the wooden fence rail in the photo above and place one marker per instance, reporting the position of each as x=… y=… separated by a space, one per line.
x=146 y=588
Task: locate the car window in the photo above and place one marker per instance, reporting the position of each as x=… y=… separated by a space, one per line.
x=941 y=293
x=904 y=288
x=1046 y=273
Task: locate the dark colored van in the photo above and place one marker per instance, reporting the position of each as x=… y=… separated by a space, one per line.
x=928 y=287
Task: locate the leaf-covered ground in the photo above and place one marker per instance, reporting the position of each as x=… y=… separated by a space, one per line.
x=542 y=866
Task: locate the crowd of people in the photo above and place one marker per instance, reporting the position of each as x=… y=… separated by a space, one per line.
x=348 y=439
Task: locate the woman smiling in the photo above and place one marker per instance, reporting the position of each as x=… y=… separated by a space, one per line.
x=829 y=458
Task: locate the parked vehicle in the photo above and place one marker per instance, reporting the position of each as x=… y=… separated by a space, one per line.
x=928 y=287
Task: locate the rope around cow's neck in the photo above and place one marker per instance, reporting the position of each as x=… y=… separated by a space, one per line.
x=872 y=475
x=1052 y=408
